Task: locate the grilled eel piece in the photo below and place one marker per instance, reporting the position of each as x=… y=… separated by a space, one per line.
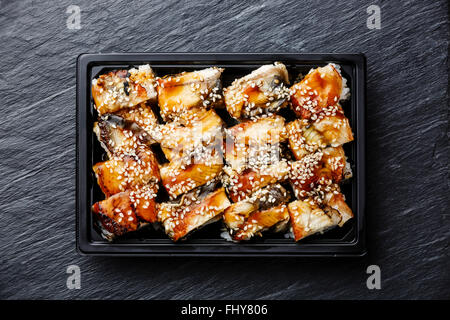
x=324 y=167
x=126 y=173
x=120 y=137
x=122 y=89
x=318 y=173
x=308 y=218
x=318 y=92
x=336 y=201
x=251 y=144
x=132 y=163
x=194 y=210
x=187 y=90
x=145 y=118
x=200 y=132
x=263 y=91
x=236 y=216
x=307 y=137
x=179 y=177
x=260 y=221
x=124 y=211
x=263 y=199
x=241 y=185
x=263 y=130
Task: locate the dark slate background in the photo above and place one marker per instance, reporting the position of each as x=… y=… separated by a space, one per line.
x=407 y=121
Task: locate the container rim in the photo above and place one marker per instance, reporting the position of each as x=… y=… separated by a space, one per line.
x=85 y=246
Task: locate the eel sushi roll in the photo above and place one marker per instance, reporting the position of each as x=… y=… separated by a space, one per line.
x=262 y=211
x=264 y=91
x=319 y=92
x=122 y=89
x=178 y=94
x=194 y=210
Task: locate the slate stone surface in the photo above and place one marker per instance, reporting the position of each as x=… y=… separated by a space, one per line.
x=408 y=153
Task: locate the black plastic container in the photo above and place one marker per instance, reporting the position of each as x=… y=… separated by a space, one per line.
x=346 y=241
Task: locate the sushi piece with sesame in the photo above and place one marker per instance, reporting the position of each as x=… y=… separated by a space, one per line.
x=241 y=185
x=264 y=91
x=307 y=218
x=253 y=144
x=305 y=137
x=189 y=90
x=336 y=201
x=194 y=210
x=318 y=92
x=329 y=197
x=118 y=136
x=121 y=89
x=264 y=130
x=195 y=136
x=334 y=127
x=121 y=213
x=144 y=117
x=260 y=221
x=318 y=173
x=179 y=177
x=132 y=166
x=126 y=173
x=238 y=213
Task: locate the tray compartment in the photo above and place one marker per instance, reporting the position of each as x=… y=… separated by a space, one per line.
x=346 y=241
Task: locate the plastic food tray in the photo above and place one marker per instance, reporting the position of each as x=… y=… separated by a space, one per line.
x=346 y=241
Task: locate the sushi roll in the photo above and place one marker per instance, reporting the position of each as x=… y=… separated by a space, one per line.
x=307 y=218
x=125 y=212
x=260 y=221
x=322 y=169
x=126 y=145
x=305 y=138
x=194 y=210
x=120 y=137
x=318 y=92
x=123 y=89
x=178 y=177
x=253 y=144
x=241 y=185
x=264 y=130
x=196 y=136
x=237 y=214
x=336 y=201
x=127 y=173
x=189 y=90
x=264 y=91
x=144 y=117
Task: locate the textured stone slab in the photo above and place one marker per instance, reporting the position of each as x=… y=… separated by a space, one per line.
x=407 y=121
